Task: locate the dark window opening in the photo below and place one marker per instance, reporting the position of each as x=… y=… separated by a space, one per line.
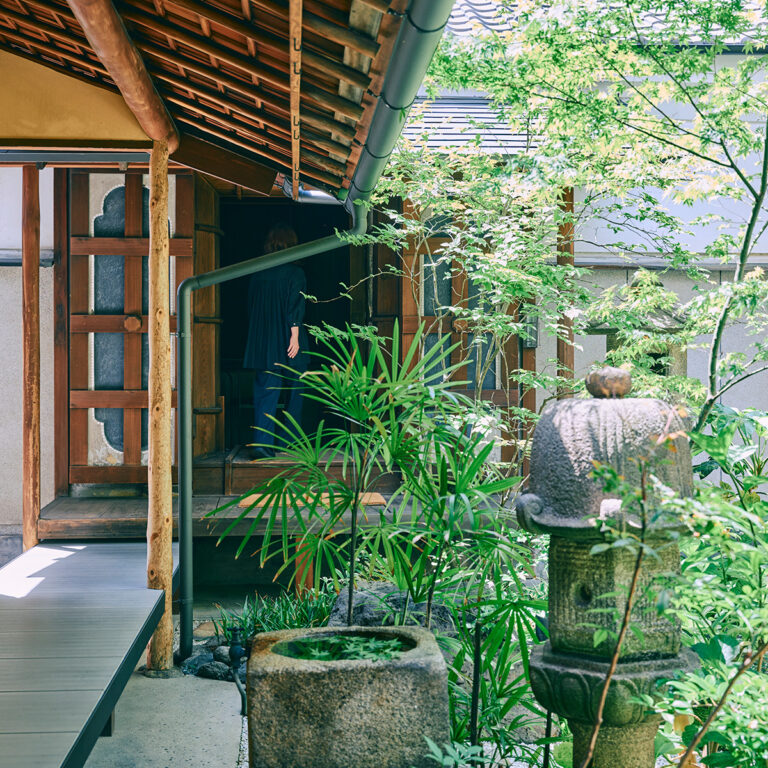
x=245 y=224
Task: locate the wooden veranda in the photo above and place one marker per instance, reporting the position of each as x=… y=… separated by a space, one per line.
x=260 y=94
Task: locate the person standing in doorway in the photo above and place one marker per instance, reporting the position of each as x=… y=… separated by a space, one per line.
x=276 y=337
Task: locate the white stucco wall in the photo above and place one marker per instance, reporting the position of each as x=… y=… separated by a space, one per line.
x=591 y=349
x=10 y=356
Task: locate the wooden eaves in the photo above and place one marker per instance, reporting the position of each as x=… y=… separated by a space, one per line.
x=218 y=77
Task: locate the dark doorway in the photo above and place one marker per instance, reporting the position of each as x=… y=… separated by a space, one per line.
x=245 y=224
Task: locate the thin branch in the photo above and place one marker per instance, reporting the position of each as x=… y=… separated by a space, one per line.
x=746 y=249
x=748 y=661
x=568 y=99
x=739 y=380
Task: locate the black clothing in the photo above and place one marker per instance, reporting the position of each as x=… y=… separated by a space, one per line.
x=267 y=387
x=275 y=303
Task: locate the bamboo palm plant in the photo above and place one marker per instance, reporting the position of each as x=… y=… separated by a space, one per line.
x=386 y=405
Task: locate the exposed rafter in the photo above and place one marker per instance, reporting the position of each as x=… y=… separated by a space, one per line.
x=222 y=71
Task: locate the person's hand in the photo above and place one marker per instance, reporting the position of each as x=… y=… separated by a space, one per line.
x=293 y=344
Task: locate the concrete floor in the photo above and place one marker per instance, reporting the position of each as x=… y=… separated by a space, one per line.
x=182 y=722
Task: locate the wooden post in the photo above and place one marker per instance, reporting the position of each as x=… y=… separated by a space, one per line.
x=160 y=512
x=30 y=292
x=295 y=22
x=565 y=257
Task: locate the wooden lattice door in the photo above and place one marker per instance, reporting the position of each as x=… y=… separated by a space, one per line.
x=108 y=305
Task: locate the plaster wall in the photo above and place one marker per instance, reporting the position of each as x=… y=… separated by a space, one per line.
x=10 y=358
x=591 y=349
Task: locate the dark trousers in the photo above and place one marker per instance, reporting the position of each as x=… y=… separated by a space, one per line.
x=267 y=388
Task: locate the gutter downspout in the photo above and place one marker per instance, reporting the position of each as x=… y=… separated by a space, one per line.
x=419 y=34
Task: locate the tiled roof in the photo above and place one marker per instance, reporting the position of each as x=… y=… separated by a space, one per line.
x=455 y=121
x=473 y=16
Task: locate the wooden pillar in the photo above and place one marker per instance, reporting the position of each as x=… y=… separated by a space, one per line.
x=30 y=280
x=61 y=331
x=160 y=512
x=565 y=257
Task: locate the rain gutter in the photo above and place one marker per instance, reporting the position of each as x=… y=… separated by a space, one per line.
x=420 y=32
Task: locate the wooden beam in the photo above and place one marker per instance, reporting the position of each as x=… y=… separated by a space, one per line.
x=125 y=246
x=247 y=114
x=245 y=130
x=110 y=398
x=265 y=152
x=324 y=64
x=30 y=302
x=565 y=257
x=329 y=30
x=294 y=45
x=379 y=5
x=223 y=164
x=110 y=42
x=160 y=481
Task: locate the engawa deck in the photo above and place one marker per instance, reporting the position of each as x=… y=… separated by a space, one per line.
x=75 y=618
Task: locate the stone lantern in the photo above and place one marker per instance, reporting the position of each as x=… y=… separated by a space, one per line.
x=564 y=501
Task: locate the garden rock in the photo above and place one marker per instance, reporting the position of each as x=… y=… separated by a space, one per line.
x=192 y=665
x=381 y=604
x=215 y=670
x=222 y=654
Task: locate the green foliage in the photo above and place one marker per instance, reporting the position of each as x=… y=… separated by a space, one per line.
x=456 y=755
x=343 y=648
x=286 y=611
x=384 y=405
x=445 y=533
x=720 y=594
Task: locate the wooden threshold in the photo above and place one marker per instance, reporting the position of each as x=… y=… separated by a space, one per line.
x=69 y=518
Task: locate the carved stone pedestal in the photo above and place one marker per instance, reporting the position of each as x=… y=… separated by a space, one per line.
x=625 y=747
x=571 y=685
x=588 y=592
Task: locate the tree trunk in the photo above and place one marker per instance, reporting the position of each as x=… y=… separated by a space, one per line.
x=30 y=278
x=160 y=513
x=565 y=257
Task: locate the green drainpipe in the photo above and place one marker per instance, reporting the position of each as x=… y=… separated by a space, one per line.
x=420 y=32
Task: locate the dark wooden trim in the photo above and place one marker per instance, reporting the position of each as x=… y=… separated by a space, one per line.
x=125 y=246
x=111 y=324
x=223 y=164
x=30 y=276
x=132 y=285
x=78 y=302
x=111 y=398
x=61 y=331
x=122 y=473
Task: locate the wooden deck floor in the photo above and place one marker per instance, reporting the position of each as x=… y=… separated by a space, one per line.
x=74 y=621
